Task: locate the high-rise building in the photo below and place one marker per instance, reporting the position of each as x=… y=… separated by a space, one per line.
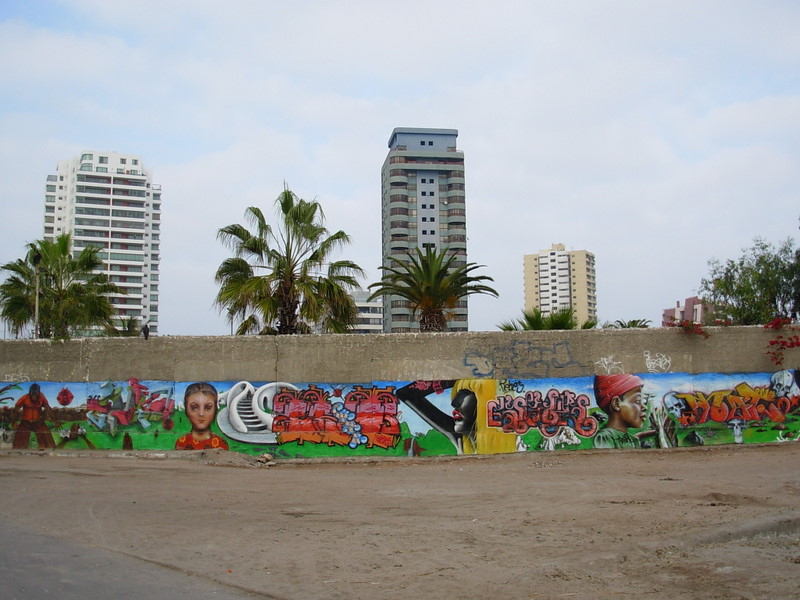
x=559 y=278
x=108 y=200
x=370 y=313
x=423 y=205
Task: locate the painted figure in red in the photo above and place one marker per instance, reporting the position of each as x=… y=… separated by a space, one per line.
x=33 y=407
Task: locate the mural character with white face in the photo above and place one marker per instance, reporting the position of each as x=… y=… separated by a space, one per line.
x=785 y=383
x=737 y=427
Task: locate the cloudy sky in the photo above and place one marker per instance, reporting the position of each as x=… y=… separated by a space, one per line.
x=657 y=135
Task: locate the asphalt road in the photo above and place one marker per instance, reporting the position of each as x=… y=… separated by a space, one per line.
x=35 y=566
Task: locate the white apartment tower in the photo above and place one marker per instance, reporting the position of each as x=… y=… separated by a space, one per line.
x=108 y=200
x=370 y=313
x=559 y=278
x=422 y=205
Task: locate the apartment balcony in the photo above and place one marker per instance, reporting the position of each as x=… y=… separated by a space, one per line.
x=126 y=192
x=127 y=224
x=453 y=200
x=127 y=181
x=93 y=189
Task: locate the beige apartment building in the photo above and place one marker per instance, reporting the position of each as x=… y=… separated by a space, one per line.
x=558 y=278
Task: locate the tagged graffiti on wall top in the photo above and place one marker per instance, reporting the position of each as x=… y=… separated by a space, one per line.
x=395 y=418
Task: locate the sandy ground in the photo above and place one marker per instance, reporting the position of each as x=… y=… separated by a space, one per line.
x=721 y=522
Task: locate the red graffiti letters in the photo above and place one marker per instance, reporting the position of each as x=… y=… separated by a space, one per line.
x=363 y=416
x=518 y=414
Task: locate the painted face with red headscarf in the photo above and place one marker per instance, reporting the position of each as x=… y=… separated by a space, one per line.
x=620 y=397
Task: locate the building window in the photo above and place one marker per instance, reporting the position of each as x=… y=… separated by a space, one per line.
x=135 y=161
x=424 y=219
x=433 y=219
x=430 y=143
x=103 y=160
x=122 y=161
x=424 y=194
x=422 y=143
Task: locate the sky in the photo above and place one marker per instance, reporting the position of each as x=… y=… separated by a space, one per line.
x=657 y=135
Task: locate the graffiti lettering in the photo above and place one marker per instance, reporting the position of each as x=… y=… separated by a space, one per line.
x=518 y=414
x=609 y=365
x=741 y=403
x=660 y=363
x=15 y=377
x=520 y=359
x=365 y=416
x=510 y=385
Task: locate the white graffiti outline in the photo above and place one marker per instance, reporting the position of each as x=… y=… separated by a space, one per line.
x=660 y=363
x=609 y=365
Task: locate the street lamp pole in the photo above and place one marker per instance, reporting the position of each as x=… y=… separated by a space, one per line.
x=37 y=258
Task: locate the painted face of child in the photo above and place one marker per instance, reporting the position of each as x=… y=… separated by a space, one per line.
x=632 y=409
x=201 y=410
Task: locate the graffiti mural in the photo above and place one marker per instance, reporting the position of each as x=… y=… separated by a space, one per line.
x=480 y=415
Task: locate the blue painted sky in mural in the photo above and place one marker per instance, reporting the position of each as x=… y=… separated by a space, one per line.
x=656 y=386
x=656 y=135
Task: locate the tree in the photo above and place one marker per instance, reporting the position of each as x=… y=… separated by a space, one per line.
x=630 y=324
x=280 y=280
x=757 y=287
x=124 y=327
x=432 y=283
x=72 y=296
x=535 y=320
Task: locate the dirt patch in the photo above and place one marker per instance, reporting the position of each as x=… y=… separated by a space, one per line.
x=711 y=522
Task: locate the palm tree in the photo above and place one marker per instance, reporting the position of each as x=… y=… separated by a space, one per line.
x=72 y=296
x=535 y=320
x=281 y=280
x=124 y=327
x=630 y=324
x=432 y=284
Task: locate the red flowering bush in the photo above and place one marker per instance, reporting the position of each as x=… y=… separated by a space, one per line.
x=778 y=323
x=781 y=342
x=688 y=326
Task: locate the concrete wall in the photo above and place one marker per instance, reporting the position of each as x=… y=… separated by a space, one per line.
x=348 y=358
x=402 y=394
